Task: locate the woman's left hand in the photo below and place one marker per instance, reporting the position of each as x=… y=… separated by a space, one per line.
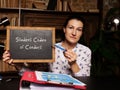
x=70 y=56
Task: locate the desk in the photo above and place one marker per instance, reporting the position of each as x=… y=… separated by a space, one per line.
x=9 y=83
x=93 y=83
x=102 y=83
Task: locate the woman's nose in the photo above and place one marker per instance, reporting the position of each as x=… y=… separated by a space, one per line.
x=74 y=32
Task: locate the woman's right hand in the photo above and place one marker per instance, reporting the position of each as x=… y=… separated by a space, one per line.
x=6 y=58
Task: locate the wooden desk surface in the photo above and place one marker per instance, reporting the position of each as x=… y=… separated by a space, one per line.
x=93 y=83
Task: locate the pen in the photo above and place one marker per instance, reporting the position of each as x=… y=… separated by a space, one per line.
x=61 y=48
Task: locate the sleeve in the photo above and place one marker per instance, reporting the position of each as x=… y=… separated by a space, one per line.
x=56 y=66
x=84 y=65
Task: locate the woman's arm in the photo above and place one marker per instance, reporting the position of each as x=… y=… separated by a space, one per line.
x=71 y=57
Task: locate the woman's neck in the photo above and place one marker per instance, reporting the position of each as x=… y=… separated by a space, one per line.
x=68 y=45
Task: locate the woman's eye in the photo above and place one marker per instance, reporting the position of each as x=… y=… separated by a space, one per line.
x=70 y=27
x=79 y=29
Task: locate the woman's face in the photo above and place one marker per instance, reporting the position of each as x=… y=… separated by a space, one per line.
x=73 y=31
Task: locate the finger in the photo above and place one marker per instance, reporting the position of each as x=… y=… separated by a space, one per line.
x=6 y=59
x=68 y=55
x=10 y=62
x=6 y=54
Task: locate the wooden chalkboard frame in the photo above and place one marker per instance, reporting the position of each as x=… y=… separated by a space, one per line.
x=40 y=60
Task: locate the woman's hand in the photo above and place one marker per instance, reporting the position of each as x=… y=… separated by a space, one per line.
x=6 y=58
x=70 y=56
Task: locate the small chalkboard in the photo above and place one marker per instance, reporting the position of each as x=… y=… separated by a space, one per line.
x=31 y=44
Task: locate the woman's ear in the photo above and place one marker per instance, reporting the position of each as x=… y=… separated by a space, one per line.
x=64 y=30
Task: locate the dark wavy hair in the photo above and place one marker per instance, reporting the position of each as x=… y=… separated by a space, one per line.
x=77 y=17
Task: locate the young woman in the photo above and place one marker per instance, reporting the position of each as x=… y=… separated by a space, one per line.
x=75 y=59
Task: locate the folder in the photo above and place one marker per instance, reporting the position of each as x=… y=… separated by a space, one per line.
x=48 y=79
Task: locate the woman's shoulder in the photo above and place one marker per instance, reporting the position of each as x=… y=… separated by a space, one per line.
x=83 y=47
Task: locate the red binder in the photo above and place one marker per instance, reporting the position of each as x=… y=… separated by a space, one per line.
x=30 y=76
